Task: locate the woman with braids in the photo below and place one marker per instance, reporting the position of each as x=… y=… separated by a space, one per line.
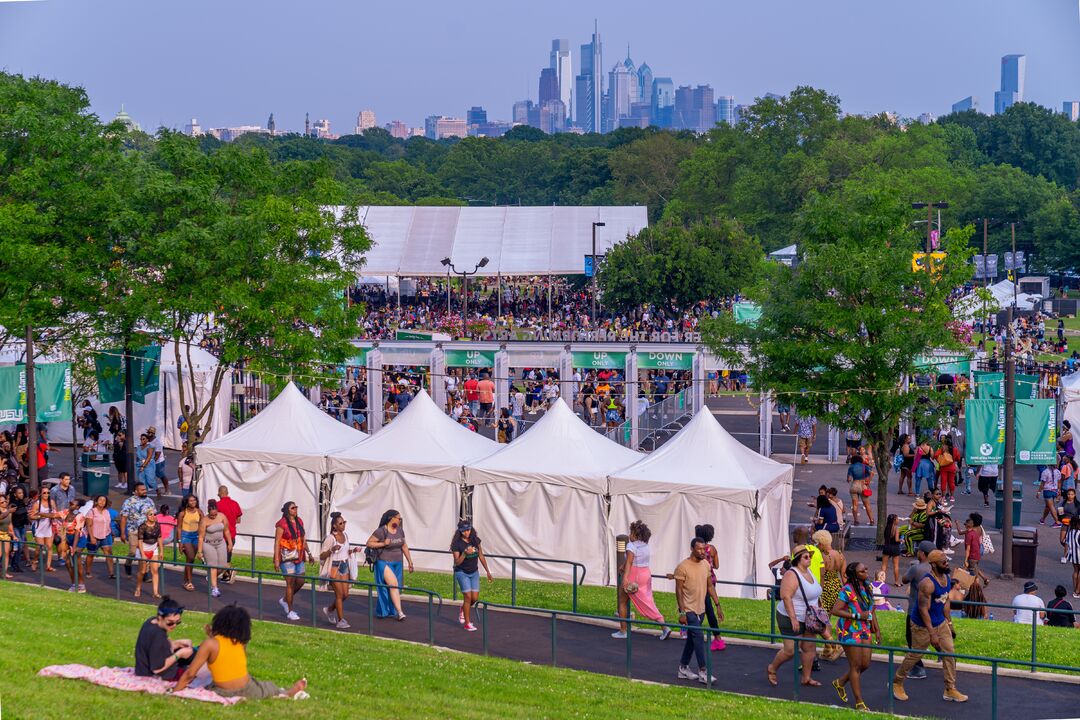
x=831 y=569
x=224 y=652
x=290 y=553
x=637 y=580
x=389 y=540
x=857 y=628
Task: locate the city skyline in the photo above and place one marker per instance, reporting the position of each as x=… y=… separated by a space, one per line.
x=154 y=60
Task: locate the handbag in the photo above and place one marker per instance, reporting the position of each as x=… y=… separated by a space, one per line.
x=817 y=619
x=867 y=492
x=987 y=544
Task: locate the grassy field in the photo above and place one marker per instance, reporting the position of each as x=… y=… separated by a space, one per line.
x=974 y=637
x=349 y=675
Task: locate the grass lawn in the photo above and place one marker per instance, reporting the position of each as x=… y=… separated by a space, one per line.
x=974 y=637
x=349 y=675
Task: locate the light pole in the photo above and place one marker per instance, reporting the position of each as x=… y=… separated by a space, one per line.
x=930 y=206
x=594 y=226
x=465 y=285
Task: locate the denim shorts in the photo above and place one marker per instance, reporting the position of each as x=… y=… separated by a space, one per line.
x=1049 y=494
x=189 y=537
x=290 y=567
x=102 y=543
x=468 y=582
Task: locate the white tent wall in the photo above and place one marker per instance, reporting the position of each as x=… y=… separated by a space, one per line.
x=1070 y=395
x=542 y=520
x=261 y=488
x=671 y=517
x=771 y=539
x=428 y=507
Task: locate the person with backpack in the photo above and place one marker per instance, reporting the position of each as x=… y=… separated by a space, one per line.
x=386 y=551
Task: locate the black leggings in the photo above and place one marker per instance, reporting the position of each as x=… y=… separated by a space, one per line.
x=710 y=613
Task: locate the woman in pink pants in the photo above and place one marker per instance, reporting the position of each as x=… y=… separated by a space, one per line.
x=637 y=580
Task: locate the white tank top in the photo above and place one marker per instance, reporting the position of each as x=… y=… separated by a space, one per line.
x=811 y=587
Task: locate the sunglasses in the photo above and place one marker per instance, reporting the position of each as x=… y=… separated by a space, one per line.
x=171 y=623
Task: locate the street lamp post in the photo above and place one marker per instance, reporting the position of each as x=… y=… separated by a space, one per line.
x=930 y=206
x=594 y=226
x=465 y=285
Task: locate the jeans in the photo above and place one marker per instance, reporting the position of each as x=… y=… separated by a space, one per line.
x=710 y=613
x=695 y=641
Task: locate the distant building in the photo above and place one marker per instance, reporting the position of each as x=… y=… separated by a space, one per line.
x=622 y=92
x=232 y=133
x=1013 y=68
x=193 y=128
x=126 y=120
x=494 y=128
x=740 y=112
x=1071 y=109
x=525 y=112
x=438 y=127
x=969 y=103
x=644 y=84
x=397 y=129
x=271 y=126
x=589 y=86
x=549 y=86
x=476 y=116
x=663 y=102
x=365 y=120
x=553 y=116
x=927 y=118
x=321 y=129
x=562 y=62
x=725 y=110
x=417 y=132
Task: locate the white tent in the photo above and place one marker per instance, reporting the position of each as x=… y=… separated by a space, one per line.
x=970 y=306
x=1070 y=396
x=543 y=496
x=414 y=466
x=277 y=456
x=705 y=476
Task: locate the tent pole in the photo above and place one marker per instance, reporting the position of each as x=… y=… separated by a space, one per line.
x=499 y=292
x=399 y=299
x=549 y=302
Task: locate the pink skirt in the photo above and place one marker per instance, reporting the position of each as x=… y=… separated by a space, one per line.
x=643 y=599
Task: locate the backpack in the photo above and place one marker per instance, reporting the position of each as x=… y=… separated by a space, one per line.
x=371 y=556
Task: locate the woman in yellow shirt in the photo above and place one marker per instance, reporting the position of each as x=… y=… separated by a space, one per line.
x=224 y=652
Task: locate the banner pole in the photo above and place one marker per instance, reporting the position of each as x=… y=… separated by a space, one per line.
x=31 y=412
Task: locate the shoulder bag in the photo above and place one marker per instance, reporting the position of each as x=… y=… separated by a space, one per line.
x=986 y=543
x=817 y=619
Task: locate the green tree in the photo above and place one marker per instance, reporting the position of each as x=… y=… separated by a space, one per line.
x=646 y=172
x=670 y=263
x=839 y=331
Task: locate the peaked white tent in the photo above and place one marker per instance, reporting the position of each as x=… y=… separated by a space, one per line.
x=413 y=465
x=543 y=496
x=703 y=475
x=277 y=456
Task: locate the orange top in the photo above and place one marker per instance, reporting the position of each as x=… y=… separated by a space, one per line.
x=231 y=662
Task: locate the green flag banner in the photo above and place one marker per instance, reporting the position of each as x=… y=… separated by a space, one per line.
x=985 y=428
x=1027 y=387
x=991 y=386
x=53 y=384
x=598 y=360
x=13 y=394
x=944 y=364
x=746 y=312
x=470 y=358
x=1036 y=432
x=665 y=360
x=145 y=365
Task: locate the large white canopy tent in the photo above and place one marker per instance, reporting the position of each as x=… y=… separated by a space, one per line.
x=547 y=240
x=1001 y=297
x=703 y=475
x=414 y=465
x=543 y=496
x=279 y=455
x=1070 y=395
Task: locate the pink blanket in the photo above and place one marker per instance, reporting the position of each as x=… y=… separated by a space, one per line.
x=126 y=679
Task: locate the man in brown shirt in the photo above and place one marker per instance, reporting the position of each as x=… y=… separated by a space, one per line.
x=691 y=585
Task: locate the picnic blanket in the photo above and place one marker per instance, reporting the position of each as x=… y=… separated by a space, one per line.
x=125 y=679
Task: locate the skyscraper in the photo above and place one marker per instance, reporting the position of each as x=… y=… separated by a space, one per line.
x=397 y=129
x=1012 y=82
x=725 y=109
x=553 y=116
x=622 y=89
x=476 y=116
x=1071 y=109
x=704 y=108
x=549 y=86
x=365 y=120
x=969 y=103
x=663 y=102
x=644 y=83
x=562 y=62
x=589 y=85
x=437 y=127
x=526 y=112
x=683 y=118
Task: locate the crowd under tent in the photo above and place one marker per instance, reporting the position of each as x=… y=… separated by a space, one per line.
x=413 y=465
x=279 y=455
x=704 y=475
x=543 y=495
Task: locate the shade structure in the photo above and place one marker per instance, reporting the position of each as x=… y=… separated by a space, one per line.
x=703 y=475
x=279 y=455
x=548 y=240
x=413 y=465
x=543 y=495
x=1070 y=396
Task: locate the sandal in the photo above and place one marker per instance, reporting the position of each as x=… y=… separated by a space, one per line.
x=811 y=683
x=840 y=690
x=189 y=587
x=771 y=675
x=138 y=593
x=861 y=706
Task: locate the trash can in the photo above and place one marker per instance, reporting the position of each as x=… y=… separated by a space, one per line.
x=999 y=508
x=94 y=471
x=1024 y=550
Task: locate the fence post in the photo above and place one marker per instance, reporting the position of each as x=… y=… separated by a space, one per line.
x=772 y=616
x=314 y=602
x=708 y=660
x=430 y=622
x=370 y=612
x=888 y=682
x=629 y=647
x=794 y=667
x=116 y=575
x=259 y=593
x=573 y=602
x=1034 y=625
x=484 y=631
x=554 y=653
x=253 y=554
x=994 y=689
x=513 y=581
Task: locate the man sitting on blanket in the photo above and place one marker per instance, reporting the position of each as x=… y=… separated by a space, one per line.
x=155 y=654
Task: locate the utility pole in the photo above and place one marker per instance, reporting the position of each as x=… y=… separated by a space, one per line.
x=31 y=412
x=1010 y=436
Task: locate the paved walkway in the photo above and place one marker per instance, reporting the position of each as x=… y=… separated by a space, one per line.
x=585 y=646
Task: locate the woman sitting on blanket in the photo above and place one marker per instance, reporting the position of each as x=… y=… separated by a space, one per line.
x=155 y=654
x=225 y=652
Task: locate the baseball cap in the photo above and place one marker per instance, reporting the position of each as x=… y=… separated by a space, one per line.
x=936 y=557
x=463 y=526
x=927 y=546
x=1030 y=586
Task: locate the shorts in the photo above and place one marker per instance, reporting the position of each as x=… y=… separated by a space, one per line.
x=189 y=537
x=1050 y=494
x=98 y=543
x=987 y=484
x=159 y=470
x=613 y=416
x=485 y=408
x=342 y=567
x=783 y=409
x=783 y=625
x=804 y=445
x=859 y=637
x=79 y=544
x=292 y=567
x=468 y=582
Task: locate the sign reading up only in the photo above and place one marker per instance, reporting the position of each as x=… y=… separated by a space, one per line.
x=665 y=360
x=470 y=358
x=599 y=360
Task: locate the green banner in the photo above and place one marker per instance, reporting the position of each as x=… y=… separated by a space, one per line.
x=145 y=364
x=991 y=386
x=1036 y=432
x=470 y=358
x=411 y=335
x=359 y=359
x=1027 y=387
x=944 y=364
x=53 y=399
x=985 y=428
x=598 y=360
x=665 y=360
x=746 y=312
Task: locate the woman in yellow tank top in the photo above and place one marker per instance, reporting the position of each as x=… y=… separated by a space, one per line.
x=224 y=652
x=188 y=518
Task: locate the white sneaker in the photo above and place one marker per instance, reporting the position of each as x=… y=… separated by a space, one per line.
x=292 y=615
x=73 y=588
x=331 y=616
x=82 y=588
x=342 y=625
x=469 y=627
x=701 y=678
x=957 y=540
x=461 y=618
x=619 y=635
x=284 y=605
x=686 y=673
x=215 y=592
x=665 y=633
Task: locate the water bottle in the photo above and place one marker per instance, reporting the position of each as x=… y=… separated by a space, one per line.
x=991 y=616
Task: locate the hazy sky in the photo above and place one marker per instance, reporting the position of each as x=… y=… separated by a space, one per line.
x=232 y=62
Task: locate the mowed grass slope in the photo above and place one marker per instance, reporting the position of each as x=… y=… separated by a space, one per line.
x=349 y=675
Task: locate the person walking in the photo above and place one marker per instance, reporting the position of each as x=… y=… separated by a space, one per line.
x=800 y=593
x=42 y=513
x=465 y=547
x=73 y=541
x=1049 y=489
x=189 y=520
x=389 y=540
x=892 y=549
x=988 y=477
x=831 y=571
x=707 y=532
x=119 y=457
x=290 y=554
x=132 y=514
x=930 y=625
x=338 y=564
x=232 y=512
x=945 y=456
x=637 y=580
x=859 y=477
x=806 y=434
x=973 y=542
x=1070 y=536
x=856 y=629
x=691 y=588
x=150 y=549
x=145 y=469
x=6 y=538
x=214 y=543
x=99 y=537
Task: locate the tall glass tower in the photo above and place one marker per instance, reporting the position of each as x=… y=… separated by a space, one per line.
x=563 y=65
x=589 y=85
x=1012 y=82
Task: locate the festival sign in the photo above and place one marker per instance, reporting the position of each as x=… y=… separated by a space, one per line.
x=13 y=394
x=600 y=360
x=470 y=358
x=991 y=386
x=665 y=360
x=984 y=422
x=1036 y=432
x=945 y=364
x=145 y=364
x=747 y=312
x=53 y=398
